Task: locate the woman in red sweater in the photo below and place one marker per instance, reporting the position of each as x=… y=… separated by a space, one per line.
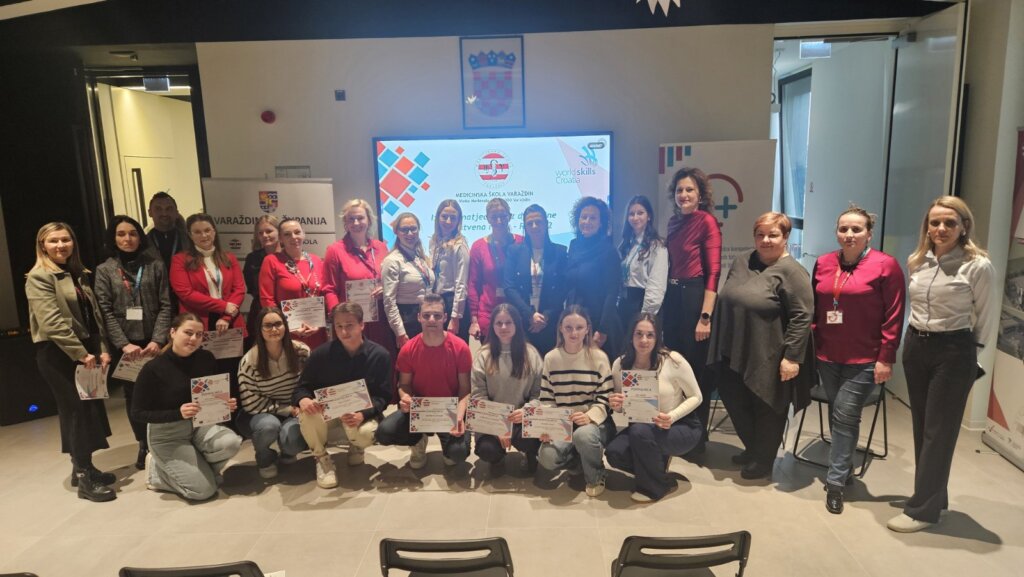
x=294 y=274
x=486 y=263
x=357 y=257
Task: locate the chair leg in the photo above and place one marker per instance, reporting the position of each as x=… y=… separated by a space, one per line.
x=868 y=452
x=796 y=441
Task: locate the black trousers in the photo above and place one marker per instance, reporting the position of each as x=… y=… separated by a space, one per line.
x=758 y=426
x=940 y=370
x=410 y=320
x=138 y=427
x=681 y=311
x=449 y=306
x=84 y=427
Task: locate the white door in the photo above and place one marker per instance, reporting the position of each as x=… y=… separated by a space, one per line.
x=923 y=141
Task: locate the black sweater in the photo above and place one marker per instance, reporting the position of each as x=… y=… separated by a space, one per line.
x=165 y=384
x=330 y=364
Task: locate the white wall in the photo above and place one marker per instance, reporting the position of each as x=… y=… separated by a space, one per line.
x=995 y=72
x=648 y=86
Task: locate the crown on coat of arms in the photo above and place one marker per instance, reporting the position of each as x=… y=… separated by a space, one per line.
x=502 y=59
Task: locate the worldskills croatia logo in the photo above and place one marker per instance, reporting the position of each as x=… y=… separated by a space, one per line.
x=668 y=156
x=268 y=201
x=492 y=81
x=402 y=176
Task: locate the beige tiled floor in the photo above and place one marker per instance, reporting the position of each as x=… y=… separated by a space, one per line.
x=552 y=528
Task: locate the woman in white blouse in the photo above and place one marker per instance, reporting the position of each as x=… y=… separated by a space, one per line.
x=645 y=449
x=449 y=254
x=407 y=278
x=950 y=278
x=644 y=262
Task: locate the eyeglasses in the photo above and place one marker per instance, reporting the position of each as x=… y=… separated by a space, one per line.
x=432 y=316
x=409 y=229
x=273 y=326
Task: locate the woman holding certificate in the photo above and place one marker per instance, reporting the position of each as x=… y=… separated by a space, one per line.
x=507 y=370
x=264 y=242
x=407 y=278
x=183 y=458
x=533 y=279
x=291 y=280
x=858 y=320
x=210 y=285
x=449 y=254
x=486 y=267
x=267 y=377
x=577 y=377
x=134 y=299
x=761 y=344
x=355 y=261
x=661 y=384
x=68 y=332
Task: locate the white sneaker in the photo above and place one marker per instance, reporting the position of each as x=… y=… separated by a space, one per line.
x=356 y=455
x=268 y=472
x=904 y=523
x=595 y=490
x=149 y=471
x=418 y=458
x=325 y=477
x=640 y=498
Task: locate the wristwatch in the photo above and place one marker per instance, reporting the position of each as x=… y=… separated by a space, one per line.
x=705 y=318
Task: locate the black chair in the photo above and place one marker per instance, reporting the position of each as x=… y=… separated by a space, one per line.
x=633 y=560
x=239 y=569
x=494 y=559
x=18 y=575
x=876 y=399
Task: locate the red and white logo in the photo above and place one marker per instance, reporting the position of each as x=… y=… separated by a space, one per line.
x=493 y=168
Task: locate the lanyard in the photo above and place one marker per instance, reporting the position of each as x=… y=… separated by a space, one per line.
x=216 y=280
x=634 y=251
x=293 y=267
x=133 y=289
x=423 y=270
x=370 y=263
x=837 y=287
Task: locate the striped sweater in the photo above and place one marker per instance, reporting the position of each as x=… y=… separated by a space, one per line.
x=271 y=393
x=580 y=381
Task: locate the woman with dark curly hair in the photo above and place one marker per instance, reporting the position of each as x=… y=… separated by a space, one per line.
x=695 y=261
x=593 y=272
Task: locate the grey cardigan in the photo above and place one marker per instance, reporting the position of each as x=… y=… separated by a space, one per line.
x=54 y=314
x=154 y=298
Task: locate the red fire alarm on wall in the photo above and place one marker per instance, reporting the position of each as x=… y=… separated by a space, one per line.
x=268 y=116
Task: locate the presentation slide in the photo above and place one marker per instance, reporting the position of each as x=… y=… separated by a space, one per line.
x=416 y=174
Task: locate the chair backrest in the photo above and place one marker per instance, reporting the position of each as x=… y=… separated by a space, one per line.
x=494 y=555
x=239 y=569
x=25 y=574
x=632 y=553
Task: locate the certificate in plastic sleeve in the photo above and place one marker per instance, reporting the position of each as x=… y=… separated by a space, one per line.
x=361 y=292
x=433 y=414
x=489 y=417
x=307 y=311
x=641 y=391
x=211 y=393
x=91 y=383
x=552 y=421
x=129 y=370
x=338 y=400
x=226 y=345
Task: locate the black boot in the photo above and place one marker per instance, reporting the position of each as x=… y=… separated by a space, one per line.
x=89 y=488
x=834 y=500
x=96 y=475
x=140 y=461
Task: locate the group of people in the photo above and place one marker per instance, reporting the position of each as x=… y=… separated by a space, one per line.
x=558 y=327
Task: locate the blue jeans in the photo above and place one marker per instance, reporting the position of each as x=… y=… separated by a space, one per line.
x=644 y=449
x=847 y=388
x=586 y=449
x=265 y=429
x=394 y=430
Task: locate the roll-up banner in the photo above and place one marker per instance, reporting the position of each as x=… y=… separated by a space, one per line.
x=1005 y=429
x=741 y=174
x=236 y=204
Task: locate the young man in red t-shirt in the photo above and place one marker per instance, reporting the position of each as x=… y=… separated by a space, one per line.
x=435 y=363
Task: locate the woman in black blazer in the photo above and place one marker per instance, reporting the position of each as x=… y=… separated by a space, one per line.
x=533 y=279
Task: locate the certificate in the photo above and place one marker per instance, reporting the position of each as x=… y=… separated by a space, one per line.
x=433 y=414
x=224 y=346
x=338 y=400
x=489 y=417
x=361 y=291
x=91 y=383
x=308 y=311
x=551 y=421
x=641 y=391
x=211 y=394
x=129 y=370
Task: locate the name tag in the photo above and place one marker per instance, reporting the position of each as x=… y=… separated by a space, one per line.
x=133 y=313
x=834 y=317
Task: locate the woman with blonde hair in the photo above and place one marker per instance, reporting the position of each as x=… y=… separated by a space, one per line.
x=359 y=257
x=68 y=331
x=407 y=278
x=449 y=254
x=487 y=261
x=950 y=319
x=264 y=241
